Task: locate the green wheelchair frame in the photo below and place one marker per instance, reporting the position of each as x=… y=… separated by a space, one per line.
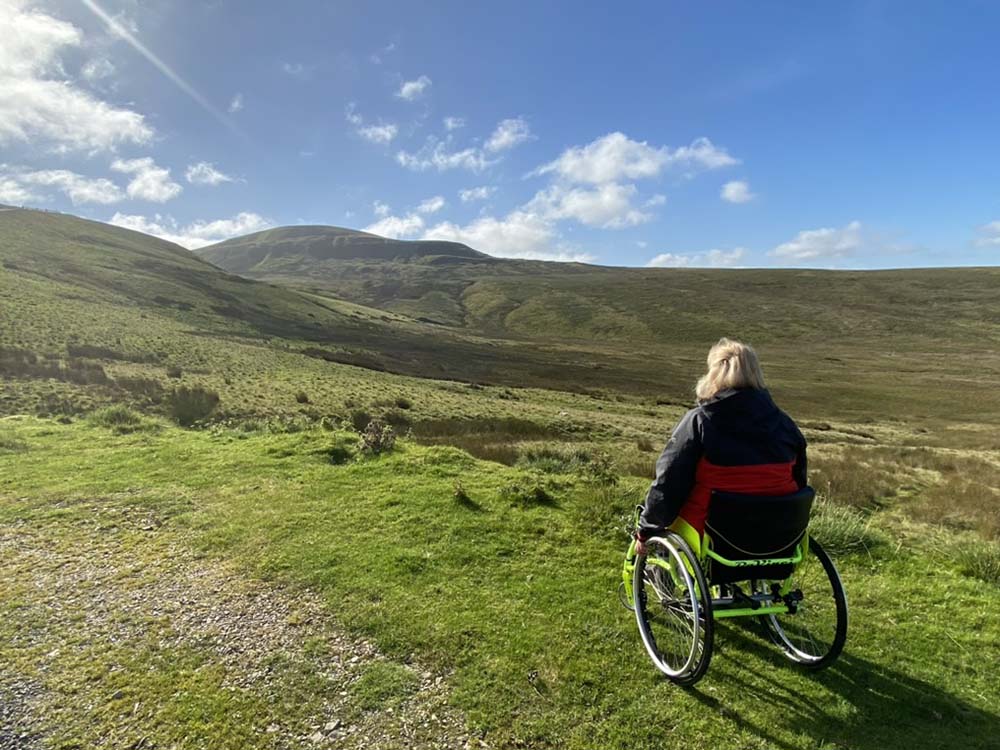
x=677 y=628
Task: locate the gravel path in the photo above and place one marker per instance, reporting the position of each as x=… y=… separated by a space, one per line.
x=121 y=579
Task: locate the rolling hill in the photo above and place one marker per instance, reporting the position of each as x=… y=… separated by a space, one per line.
x=480 y=555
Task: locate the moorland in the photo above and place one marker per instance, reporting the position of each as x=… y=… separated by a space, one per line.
x=208 y=540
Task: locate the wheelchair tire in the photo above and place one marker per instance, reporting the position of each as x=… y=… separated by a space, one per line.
x=673 y=609
x=815 y=634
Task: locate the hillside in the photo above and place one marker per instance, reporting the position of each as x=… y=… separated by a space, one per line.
x=296 y=249
x=257 y=578
x=841 y=331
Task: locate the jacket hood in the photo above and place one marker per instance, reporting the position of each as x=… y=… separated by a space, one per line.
x=747 y=410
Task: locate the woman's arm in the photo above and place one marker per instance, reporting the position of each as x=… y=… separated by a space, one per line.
x=675 y=471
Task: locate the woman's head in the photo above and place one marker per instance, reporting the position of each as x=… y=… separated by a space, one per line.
x=731 y=364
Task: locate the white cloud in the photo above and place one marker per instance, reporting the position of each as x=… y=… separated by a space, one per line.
x=37 y=106
x=454 y=123
x=616 y=156
x=196 y=234
x=989 y=234
x=382 y=133
x=381 y=209
x=608 y=206
x=236 y=104
x=376 y=58
x=655 y=200
x=411 y=90
x=13 y=192
x=78 y=189
x=97 y=69
x=435 y=155
x=821 y=243
x=397 y=227
x=294 y=69
x=150 y=181
x=477 y=193
x=205 y=173
x=736 y=191
x=711 y=259
x=520 y=234
x=508 y=133
x=431 y=205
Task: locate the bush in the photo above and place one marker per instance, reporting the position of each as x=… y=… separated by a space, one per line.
x=190 y=405
x=174 y=371
x=360 y=419
x=119 y=418
x=404 y=403
x=302 y=397
x=340 y=454
x=377 y=438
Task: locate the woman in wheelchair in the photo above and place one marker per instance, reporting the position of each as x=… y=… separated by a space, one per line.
x=723 y=530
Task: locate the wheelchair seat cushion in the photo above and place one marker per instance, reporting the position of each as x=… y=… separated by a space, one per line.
x=749 y=527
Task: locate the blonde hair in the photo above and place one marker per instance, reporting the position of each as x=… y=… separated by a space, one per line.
x=731 y=364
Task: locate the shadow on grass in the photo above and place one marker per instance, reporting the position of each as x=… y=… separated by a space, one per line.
x=879 y=708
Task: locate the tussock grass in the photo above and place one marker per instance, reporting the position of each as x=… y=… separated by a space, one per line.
x=120 y=419
x=844 y=530
x=980 y=560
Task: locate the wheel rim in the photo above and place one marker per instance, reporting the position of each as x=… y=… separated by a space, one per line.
x=815 y=633
x=667 y=609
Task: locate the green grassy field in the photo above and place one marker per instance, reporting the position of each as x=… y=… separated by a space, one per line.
x=255 y=580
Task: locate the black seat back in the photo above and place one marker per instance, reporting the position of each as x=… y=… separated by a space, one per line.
x=749 y=527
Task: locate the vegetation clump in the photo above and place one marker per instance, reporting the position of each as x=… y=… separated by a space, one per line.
x=302 y=397
x=843 y=529
x=527 y=493
x=377 y=438
x=190 y=405
x=119 y=418
x=980 y=560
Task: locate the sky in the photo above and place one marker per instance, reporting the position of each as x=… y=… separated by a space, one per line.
x=765 y=134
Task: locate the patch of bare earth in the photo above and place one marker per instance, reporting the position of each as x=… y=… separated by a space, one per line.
x=120 y=580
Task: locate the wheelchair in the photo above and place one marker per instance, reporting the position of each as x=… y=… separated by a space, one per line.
x=755 y=559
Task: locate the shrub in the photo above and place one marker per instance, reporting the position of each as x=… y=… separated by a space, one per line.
x=119 y=418
x=302 y=397
x=377 y=438
x=190 y=405
x=340 y=454
x=404 y=403
x=360 y=419
x=174 y=371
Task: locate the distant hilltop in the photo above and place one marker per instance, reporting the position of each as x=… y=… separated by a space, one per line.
x=296 y=245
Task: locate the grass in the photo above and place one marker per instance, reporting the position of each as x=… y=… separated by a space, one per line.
x=487 y=544
x=517 y=600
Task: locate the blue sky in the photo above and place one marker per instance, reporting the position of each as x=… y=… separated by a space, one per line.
x=838 y=135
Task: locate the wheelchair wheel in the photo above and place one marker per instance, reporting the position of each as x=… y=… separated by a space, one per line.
x=673 y=609
x=815 y=633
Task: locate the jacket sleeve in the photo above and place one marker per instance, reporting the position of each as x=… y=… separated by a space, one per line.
x=800 y=469
x=675 y=472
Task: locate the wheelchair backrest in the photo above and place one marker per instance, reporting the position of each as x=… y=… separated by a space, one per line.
x=744 y=527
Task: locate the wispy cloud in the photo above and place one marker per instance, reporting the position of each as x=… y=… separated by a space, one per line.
x=508 y=133
x=411 y=90
x=205 y=173
x=821 y=244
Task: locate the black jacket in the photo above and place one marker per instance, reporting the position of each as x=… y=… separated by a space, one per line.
x=738 y=441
